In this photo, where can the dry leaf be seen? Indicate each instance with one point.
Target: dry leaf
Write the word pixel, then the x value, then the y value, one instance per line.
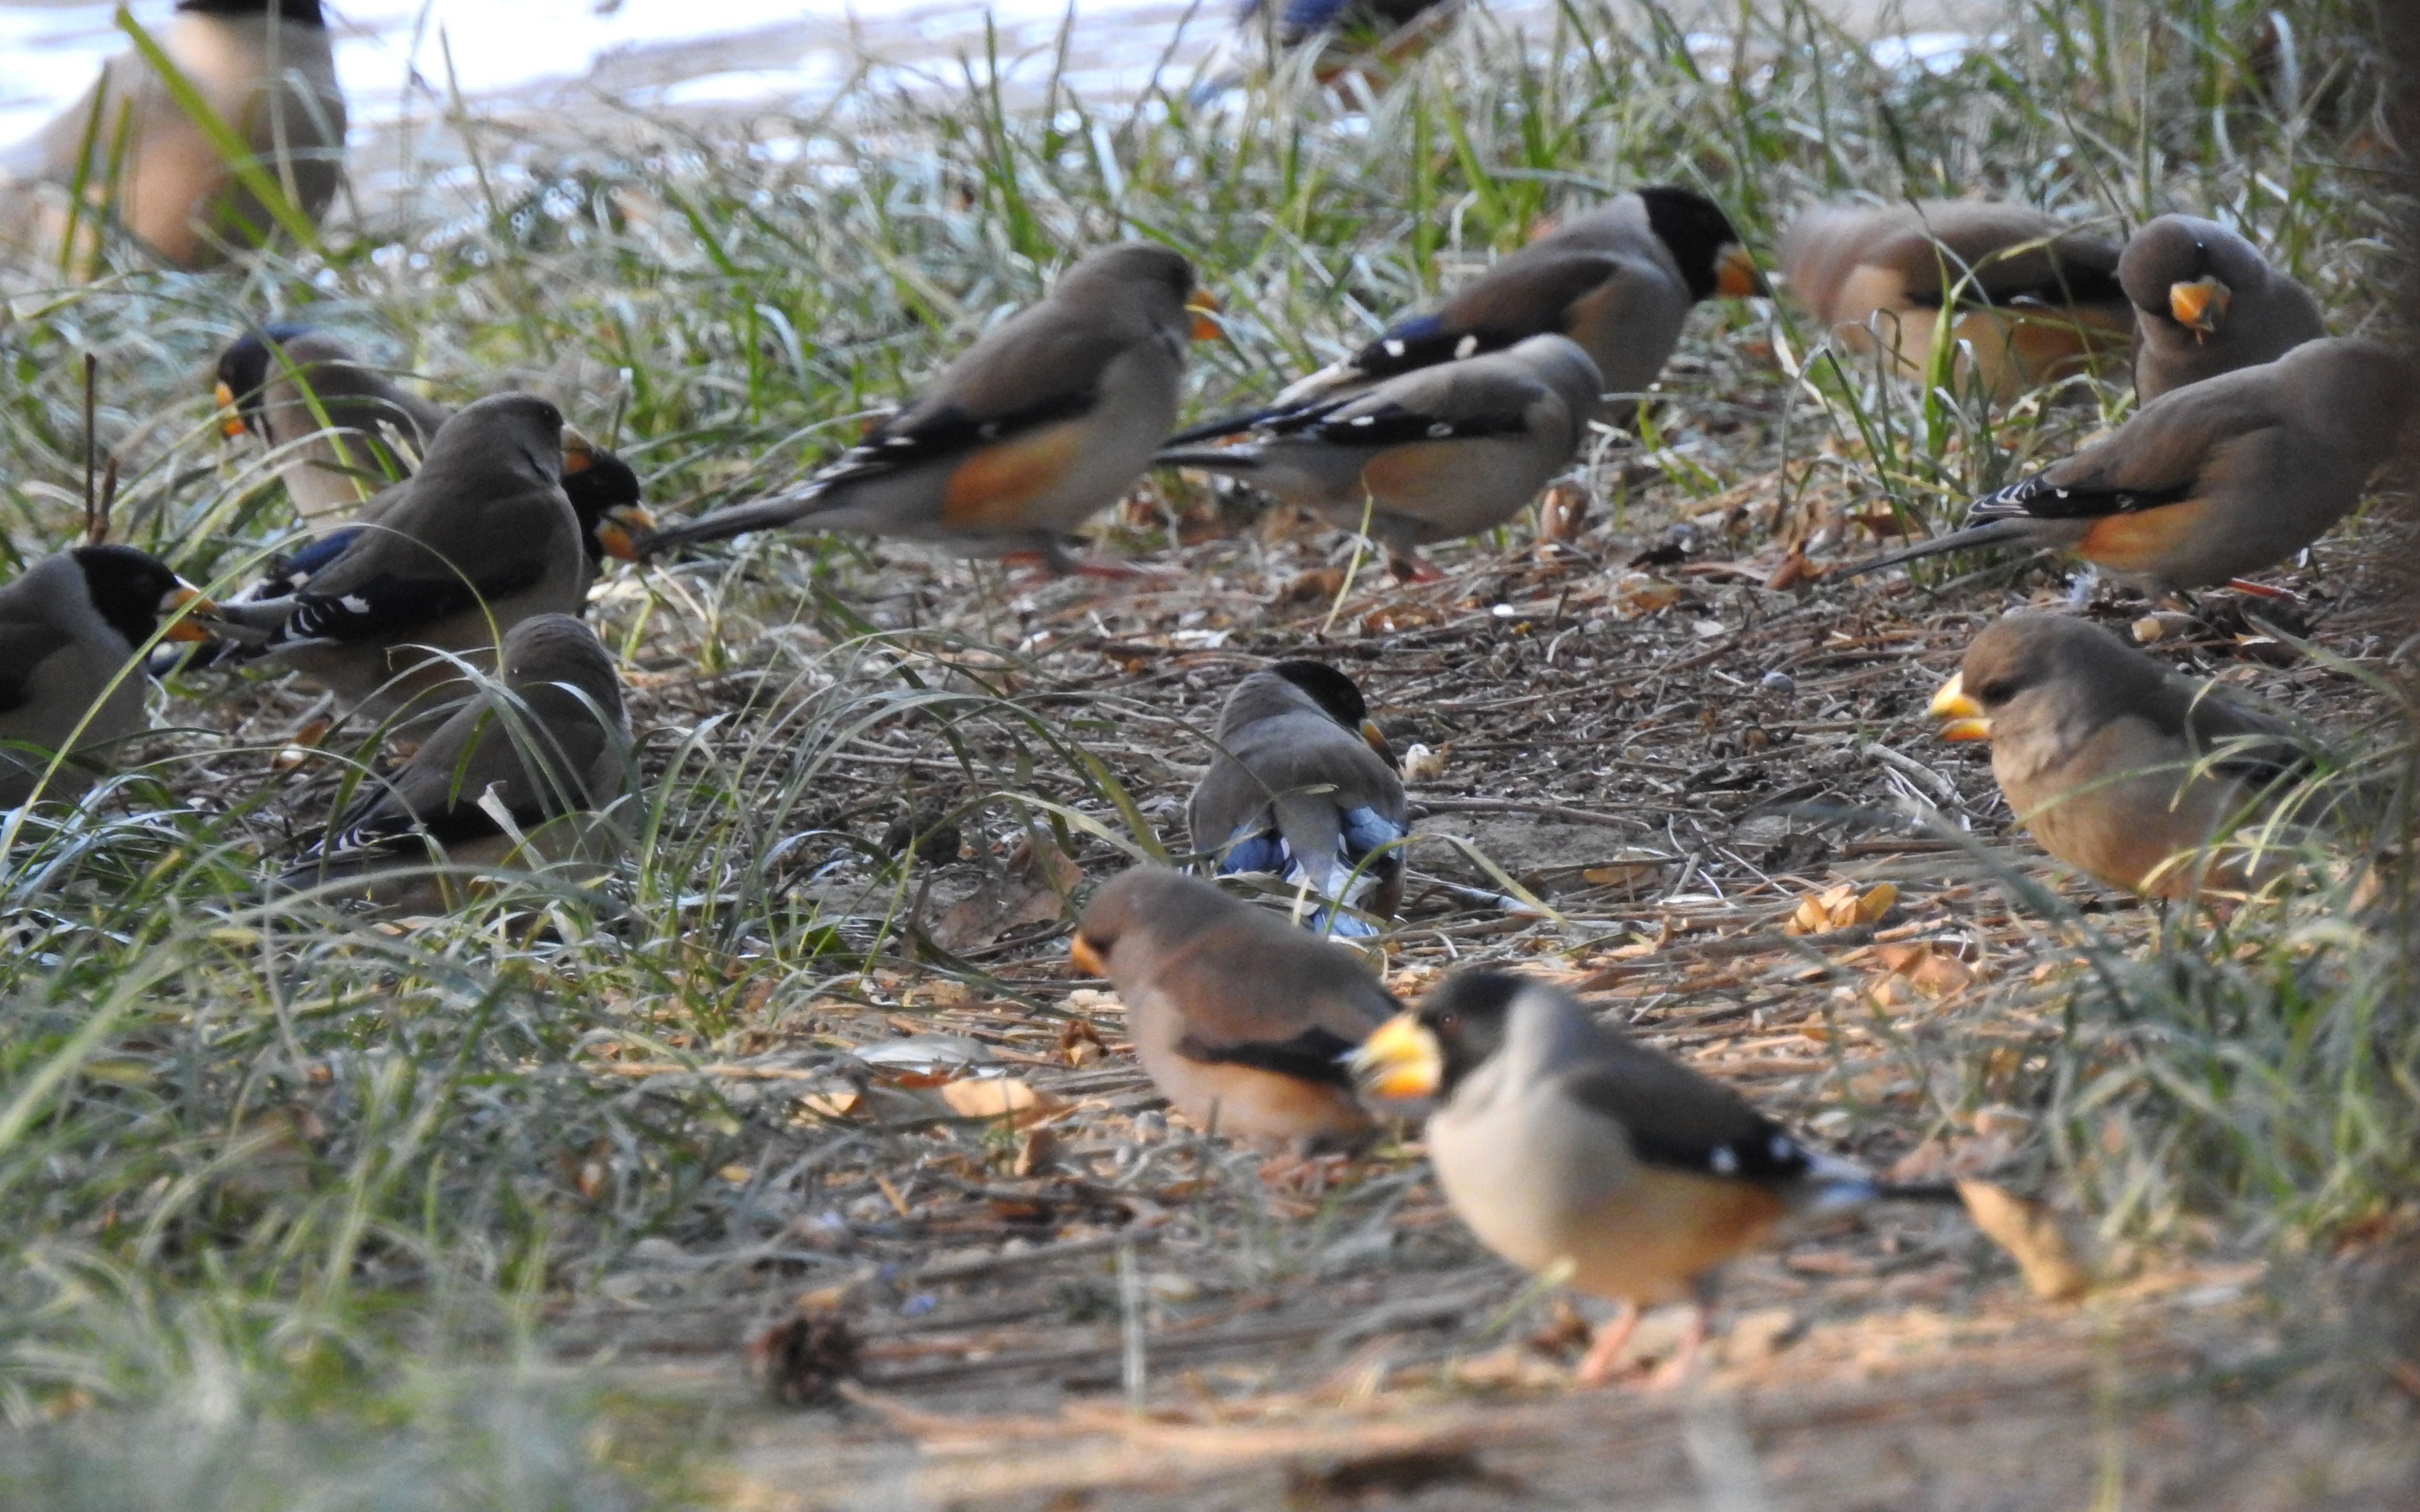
pixel 1421 765
pixel 1636 595
pixel 1794 569
pixel 2033 1236
pixel 1562 515
pixel 999 1097
pixel 834 1105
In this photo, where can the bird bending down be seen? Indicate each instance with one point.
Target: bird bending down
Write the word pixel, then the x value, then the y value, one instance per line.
pixel 2206 302
pixel 1242 1020
pixel 481 538
pixel 70 628
pixel 1618 281
pixel 1564 1142
pixel 2030 298
pixel 507 780
pixel 1303 787
pixel 1045 421
pixel 265 69
pixel 2208 483
pixel 1431 454
pixel 2119 766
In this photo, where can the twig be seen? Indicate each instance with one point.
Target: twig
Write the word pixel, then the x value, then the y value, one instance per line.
pixel 1550 811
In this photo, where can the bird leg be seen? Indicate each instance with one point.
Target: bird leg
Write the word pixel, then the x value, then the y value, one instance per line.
pixel 1597 1368
pixel 1678 1369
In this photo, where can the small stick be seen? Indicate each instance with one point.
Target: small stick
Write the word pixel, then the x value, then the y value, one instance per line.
pixel 91 448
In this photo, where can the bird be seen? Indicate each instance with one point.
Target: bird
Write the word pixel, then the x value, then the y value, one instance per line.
pixel 481 538
pixel 1302 785
pixel 1383 21
pixel 2206 302
pixel 144 164
pixel 70 628
pixel 278 383
pixel 2116 766
pixel 506 777
pixel 1562 1142
pixel 2030 298
pixel 2211 482
pixel 1047 420
pixel 1620 281
pixel 1241 1018
pixel 1427 456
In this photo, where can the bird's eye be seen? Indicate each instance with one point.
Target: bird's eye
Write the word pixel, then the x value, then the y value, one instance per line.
pixel 1999 691
pixel 1449 1022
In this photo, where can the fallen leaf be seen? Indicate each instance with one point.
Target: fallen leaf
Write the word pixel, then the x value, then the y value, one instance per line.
pixel 999 1097
pixel 2033 1236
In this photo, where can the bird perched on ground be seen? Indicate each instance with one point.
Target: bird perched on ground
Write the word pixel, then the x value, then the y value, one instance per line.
pixel 70 627
pixel 2209 481
pixel 270 381
pixel 264 69
pixel 1382 23
pixel 1428 456
pixel 541 752
pixel 1618 281
pixel 1302 786
pixel 1047 420
pixel 1241 1018
pixel 2029 297
pixel 481 539
pixel 2119 766
pixel 2206 302
pixel 1562 1142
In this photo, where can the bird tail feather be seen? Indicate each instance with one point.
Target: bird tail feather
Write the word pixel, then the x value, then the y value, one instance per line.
pixel 1235 459
pixel 1997 533
pixel 737 520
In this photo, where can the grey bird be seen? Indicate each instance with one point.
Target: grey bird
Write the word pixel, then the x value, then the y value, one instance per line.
pixel 1620 281
pixel 70 628
pixel 265 71
pixel 1301 786
pixel 2211 482
pixel 1562 1142
pixel 1045 421
pixel 2206 302
pixel 1241 1019
pixel 515 777
pixel 1431 454
pixel 482 538
pixel 2119 766
pixel 2030 298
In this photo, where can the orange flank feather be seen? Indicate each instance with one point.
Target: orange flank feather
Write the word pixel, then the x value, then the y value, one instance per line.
pixel 1407 472
pixel 994 487
pixel 2138 543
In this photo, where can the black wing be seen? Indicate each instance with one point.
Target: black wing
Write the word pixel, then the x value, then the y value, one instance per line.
pixel 1314 1055
pixel 385 606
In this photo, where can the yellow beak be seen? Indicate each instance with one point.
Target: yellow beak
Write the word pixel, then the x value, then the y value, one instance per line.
pixel 1203 304
pixel 578 451
pixel 187 600
pixel 1401 1059
pixel 2200 305
pixel 232 426
pixel 620 529
pixel 1961 718
pixel 1087 960
pixel 1736 276
pixel 1372 737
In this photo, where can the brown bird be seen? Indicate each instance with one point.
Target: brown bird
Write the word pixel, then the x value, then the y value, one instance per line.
pixel 1242 1019
pixel 70 628
pixel 264 69
pixel 2210 482
pixel 545 750
pixel 1045 421
pixel 2206 302
pixel 1431 454
pixel 2116 766
pixel 1618 281
pixel 343 432
pixel 2030 298
pixel 1302 785
pixel 483 538
pixel 1564 1142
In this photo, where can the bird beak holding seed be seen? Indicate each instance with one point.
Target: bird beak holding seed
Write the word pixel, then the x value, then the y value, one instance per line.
pixel 579 453
pixel 1203 304
pixel 621 530
pixel 1087 959
pixel 1400 1059
pixel 2200 305
pixel 187 600
pixel 231 424
pixel 1961 718
pixel 1736 276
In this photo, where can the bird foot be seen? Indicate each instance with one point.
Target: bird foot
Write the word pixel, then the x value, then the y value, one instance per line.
pixel 1605 1354
pixel 1412 567
pixel 1056 564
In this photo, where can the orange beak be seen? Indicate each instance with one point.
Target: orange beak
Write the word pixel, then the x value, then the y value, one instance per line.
pixel 2200 305
pixel 1203 304
pixel 578 451
pixel 1372 737
pixel 622 528
pixel 1961 718
pixel 187 600
pixel 1087 959
pixel 1400 1059
pixel 231 424
pixel 1736 276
